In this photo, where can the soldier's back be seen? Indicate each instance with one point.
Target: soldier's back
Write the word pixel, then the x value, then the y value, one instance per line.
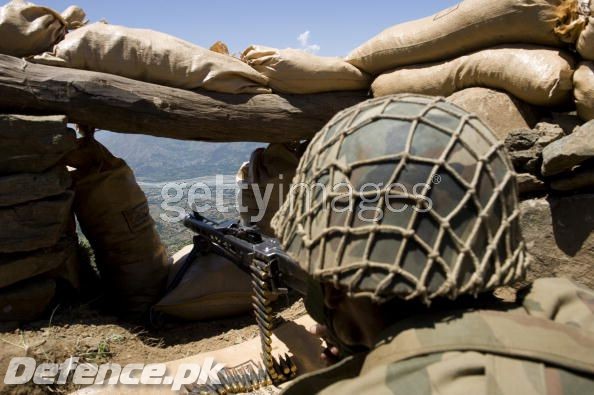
pixel 544 345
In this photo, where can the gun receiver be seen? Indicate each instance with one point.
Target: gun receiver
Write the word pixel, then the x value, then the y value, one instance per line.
pixel 242 245
pixel 272 271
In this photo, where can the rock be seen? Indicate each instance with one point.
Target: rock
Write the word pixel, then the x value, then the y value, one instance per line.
pixel 570 151
pixel 580 178
pixel 27 300
pixel 559 233
pixel 525 146
pixel 548 133
pixel 566 121
pixel 527 184
pixel 22 266
pixel 35 225
pixel 521 139
pixel 32 144
pixel 500 111
pixel 27 187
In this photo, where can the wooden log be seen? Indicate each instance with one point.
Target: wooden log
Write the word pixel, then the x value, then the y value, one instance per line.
pixel 123 105
pixel 28 187
pixel 35 225
pixel 32 144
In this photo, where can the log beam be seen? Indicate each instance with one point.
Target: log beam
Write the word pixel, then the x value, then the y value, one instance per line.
pixel 120 104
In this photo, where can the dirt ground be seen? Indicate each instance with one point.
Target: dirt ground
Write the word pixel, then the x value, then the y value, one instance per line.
pixel 84 332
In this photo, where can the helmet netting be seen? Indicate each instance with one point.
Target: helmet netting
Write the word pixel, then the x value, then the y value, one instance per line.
pixel 467 241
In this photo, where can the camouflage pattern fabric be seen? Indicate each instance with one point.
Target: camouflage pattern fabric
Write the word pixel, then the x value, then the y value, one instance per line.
pixel 407 196
pixel 543 346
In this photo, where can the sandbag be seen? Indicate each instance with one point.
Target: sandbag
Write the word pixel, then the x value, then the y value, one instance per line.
pixel 295 71
pixel 585 44
pixel 27 300
pixel 470 26
pixel 113 214
pixel 32 144
pixel 498 110
pixel 75 17
pixel 537 75
pixel 151 56
pixel 34 225
pixel 213 287
pixel 583 81
pixel 266 179
pixel 21 188
pixel 27 29
pixel 22 266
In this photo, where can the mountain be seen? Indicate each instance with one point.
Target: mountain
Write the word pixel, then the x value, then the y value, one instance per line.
pixel 157 159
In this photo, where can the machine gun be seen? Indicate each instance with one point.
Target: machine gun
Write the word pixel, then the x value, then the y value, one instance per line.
pixel 272 271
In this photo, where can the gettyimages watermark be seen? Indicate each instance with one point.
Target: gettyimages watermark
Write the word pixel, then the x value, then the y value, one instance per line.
pixel 23 370
pixel 374 198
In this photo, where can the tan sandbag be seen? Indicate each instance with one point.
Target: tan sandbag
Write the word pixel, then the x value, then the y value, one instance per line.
pixel 583 81
pixel 585 44
pixel 27 29
pixel 213 287
pixel 499 110
pixel 75 17
pixel 114 216
pixel 22 266
pixel 151 56
pixel 27 300
pixel 32 144
pixel 27 187
pixel 266 179
pixel 537 75
pixel 295 71
pixel 469 26
pixel 34 225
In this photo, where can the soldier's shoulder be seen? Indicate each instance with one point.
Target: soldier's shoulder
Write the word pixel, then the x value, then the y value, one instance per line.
pixel 560 300
pixel 470 372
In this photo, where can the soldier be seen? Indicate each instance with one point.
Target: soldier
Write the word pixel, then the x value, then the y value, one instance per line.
pixel 413 224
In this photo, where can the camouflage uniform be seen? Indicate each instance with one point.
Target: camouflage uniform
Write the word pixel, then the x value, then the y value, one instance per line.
pixel 543 346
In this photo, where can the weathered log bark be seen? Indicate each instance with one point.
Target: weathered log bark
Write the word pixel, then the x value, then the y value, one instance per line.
pixel 123 105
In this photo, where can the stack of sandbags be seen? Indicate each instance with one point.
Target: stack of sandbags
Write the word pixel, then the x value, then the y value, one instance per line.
pixel 470 26
pixel 296 71
pixel 27 29
pixel 113 214
pixel 513 46
pixel 151 56
pixel 539 76
pixel 38 244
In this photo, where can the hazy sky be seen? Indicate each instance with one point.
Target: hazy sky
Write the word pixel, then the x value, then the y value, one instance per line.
pixel 335 27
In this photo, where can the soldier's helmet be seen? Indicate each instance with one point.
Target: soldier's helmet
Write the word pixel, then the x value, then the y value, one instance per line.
pixel 405 196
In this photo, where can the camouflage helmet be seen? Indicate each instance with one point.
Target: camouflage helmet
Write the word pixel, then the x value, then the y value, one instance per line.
pixel 405 196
